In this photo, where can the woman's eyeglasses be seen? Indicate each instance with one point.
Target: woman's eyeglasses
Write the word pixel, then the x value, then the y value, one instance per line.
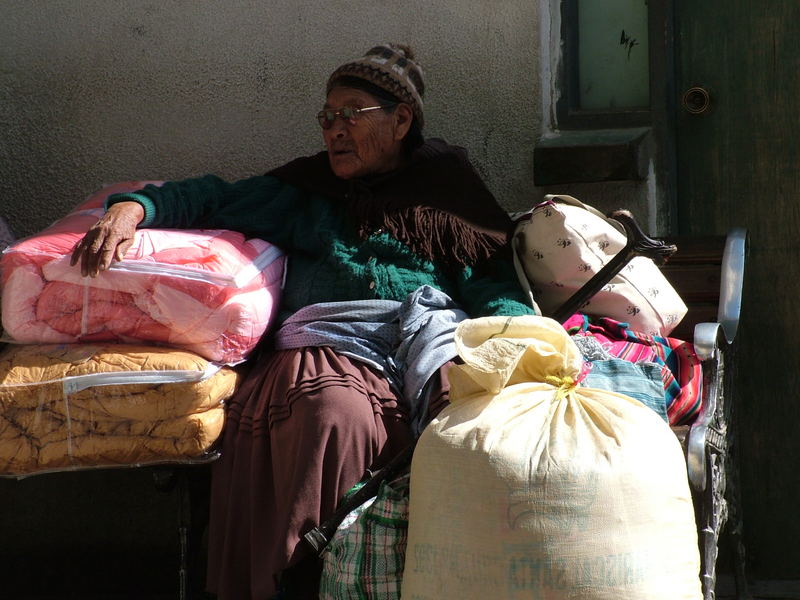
pixel 347 113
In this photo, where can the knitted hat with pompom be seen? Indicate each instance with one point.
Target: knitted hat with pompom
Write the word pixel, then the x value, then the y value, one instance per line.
pixel 392 68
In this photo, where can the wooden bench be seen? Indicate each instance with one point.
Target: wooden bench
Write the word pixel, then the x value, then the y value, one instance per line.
pixel 708 274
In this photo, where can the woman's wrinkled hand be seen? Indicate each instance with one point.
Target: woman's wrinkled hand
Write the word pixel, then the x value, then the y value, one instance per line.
pixel 108 239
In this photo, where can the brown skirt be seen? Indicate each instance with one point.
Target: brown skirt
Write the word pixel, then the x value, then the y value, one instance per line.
pixel 302 429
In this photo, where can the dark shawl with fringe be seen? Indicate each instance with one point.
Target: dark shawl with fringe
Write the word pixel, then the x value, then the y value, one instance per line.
pixel 437 203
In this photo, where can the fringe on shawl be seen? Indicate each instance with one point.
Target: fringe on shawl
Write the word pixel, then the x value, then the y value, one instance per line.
pixel 430 232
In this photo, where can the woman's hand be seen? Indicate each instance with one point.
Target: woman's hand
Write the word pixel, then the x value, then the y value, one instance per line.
pixel 108 239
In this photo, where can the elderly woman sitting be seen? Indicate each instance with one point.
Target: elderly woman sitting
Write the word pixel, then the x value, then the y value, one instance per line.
pixel 391 240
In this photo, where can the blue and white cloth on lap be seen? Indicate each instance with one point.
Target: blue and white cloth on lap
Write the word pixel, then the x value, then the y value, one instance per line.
pixel 407 341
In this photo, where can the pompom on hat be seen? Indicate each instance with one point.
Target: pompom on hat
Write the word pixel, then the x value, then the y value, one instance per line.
pixel 391 67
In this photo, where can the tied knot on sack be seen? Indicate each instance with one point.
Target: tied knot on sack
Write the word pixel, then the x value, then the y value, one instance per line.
pixel 500 352
pixel 564 384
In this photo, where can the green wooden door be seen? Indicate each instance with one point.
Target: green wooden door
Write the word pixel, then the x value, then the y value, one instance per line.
pixel 739 165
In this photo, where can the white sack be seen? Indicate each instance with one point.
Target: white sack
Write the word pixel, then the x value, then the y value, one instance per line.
pixel 529 487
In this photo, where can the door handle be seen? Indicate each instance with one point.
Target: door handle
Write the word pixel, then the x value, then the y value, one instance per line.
pixel 696 100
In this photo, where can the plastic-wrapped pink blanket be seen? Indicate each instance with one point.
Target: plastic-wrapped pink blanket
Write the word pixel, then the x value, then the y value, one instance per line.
pixel 212 292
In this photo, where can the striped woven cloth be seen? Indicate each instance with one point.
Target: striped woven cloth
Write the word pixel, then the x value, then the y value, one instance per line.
pixel 681 369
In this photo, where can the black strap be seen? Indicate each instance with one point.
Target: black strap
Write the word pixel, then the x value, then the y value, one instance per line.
pixel 638 244
pixel 320 536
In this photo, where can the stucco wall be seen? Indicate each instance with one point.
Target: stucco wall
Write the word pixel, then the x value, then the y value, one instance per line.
pixel 97 91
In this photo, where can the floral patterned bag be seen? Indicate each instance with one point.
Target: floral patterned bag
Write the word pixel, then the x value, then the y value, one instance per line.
pixel 562 243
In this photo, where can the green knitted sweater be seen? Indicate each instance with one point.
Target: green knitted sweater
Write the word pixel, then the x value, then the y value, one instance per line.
pixel 328 260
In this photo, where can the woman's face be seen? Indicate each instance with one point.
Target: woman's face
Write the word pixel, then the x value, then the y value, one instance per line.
pixel 372 142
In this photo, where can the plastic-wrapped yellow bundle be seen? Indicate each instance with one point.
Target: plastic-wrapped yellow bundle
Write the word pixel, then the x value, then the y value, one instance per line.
pixel 74 406
pixel 530 486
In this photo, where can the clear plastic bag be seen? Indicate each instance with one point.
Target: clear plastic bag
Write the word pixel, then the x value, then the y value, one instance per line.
pixel 213 292
pixel 78 406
